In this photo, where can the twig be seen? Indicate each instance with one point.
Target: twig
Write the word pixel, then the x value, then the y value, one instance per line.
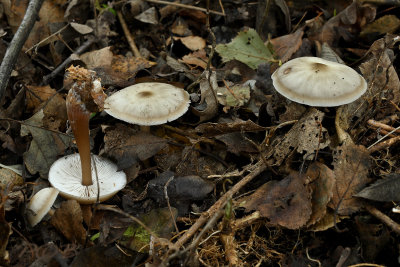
pixel 169 205
pixel 380 139
pixel 384 218
pixel 47 38
pixel 128 35
pixel 385 144
pixel 17 43
pixel 258 168
pixel 61 67
pixel 186 6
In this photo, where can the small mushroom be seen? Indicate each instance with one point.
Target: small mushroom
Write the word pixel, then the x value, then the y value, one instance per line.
pixel 317 82
pixel 40 204
pixel 148 103
pixel 66 175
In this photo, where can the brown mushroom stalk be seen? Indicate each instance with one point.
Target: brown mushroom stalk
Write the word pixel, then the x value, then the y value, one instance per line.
pixel 78 117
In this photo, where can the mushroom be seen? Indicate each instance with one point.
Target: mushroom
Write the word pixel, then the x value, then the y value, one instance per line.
pixel 148 104
pixel 314 81
pixel 40 204
pixel 66 176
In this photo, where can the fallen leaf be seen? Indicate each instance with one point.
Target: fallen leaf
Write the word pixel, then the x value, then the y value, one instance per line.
pixel 351 165
pixel 179 188
pixel 235 96
pixel 246 47
pixel 384 24
pixel 285 46
pixel 46 146
pixel 9 179
pixel 322 182
pixel 307 135
pixel 208 107
pixel 194 43
pixel 127 147
pixel 286 203
pixel 198 58
pixel 148 16
pixel 237 143
pixel 68 220
pixel 160 221
pixel 386 189
pixel 5 232
pixel 347 23
pixel 97 58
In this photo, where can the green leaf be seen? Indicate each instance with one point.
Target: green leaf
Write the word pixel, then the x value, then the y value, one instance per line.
pixel 246 47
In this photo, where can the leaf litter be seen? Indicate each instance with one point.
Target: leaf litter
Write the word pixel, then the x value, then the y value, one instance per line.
pixel 245 176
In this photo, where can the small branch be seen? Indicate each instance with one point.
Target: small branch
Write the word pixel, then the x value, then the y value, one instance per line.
pixel 186 6
pixel 17 43
pixel 258 168
pixel 61 67
pixel 128 35
pixel 383 218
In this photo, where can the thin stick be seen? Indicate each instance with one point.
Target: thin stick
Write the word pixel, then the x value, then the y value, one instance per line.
pixel 186 6
pixel 61 67
pixel 47 38
pixel 394 130
pixel 17 43
pixel 169 205
pixel 258 168
pixel 128 35
pixel 384 218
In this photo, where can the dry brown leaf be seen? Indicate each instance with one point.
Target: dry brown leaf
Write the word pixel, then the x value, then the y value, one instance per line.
pixel 49 13
pixel 68 220
pixel 346 23
pixel 194 43
pixel 97 58
pixel 197 58
pixel 208 107
pixel 351 165
pixel 383 86
pixel 285 46
pixel 307 135
pixel 286 203
pixel 127 146
pixel 322 181
pixel 237 143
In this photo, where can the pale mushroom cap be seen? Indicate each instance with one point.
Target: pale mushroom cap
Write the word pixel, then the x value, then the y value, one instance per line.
pixel 40 204
pixel 148 103
pixel 317 82
pixel 66 175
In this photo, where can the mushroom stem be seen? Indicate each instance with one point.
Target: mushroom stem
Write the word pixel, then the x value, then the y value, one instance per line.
pixel 78 117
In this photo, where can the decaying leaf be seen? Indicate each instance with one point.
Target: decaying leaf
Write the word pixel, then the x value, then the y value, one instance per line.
pixel 246 47
pixel 68 220
pixel 208 107
pixel 127 147
pixel 286 203
pixel 285 46
pixel 237 143
pixel 233 96
pixel 322 181
pixel 351 164
pixel 307 135
pixel 198 58
pixel 101 256
pixel 387 189
pixel 5 232
pixel 346 23
pixel 159 221
pixel 46 146
pixel 194 43
pixel 383 83
pixel 385 24
pixel 8 179
pixel 179 188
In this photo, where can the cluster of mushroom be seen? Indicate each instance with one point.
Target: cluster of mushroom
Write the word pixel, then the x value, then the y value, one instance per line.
pixel 71 176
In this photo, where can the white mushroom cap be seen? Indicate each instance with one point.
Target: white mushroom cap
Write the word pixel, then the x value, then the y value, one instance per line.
pixel 66 175
pixel 148 103
pixel 40 204
pixel 317 82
